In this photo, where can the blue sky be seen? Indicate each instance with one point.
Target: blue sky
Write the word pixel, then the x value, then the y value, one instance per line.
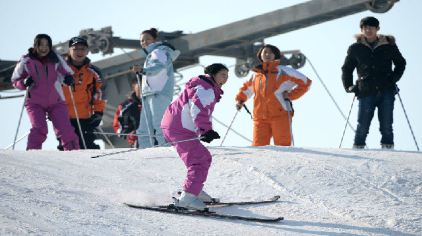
pixel 317 122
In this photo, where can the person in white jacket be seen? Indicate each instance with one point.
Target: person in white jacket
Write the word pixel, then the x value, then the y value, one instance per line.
pixel 157 86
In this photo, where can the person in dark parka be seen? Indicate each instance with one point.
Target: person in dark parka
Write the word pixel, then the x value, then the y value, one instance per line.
pixel 373 56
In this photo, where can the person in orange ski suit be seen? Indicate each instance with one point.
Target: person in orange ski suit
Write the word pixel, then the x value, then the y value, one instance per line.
pixel 274 86
pixel 87 93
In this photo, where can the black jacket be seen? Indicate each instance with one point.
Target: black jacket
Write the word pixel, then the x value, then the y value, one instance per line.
pixel 130 114
pixel 373 65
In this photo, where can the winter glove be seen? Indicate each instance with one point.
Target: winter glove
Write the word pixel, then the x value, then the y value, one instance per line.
pixel 132 138
pixel 28 81
pixel 209 136
pixel 137 69
pixel 353 89
pixel 396 89
pixel 68 80
pixel 95 119
pixel 239 105
pixel 393 79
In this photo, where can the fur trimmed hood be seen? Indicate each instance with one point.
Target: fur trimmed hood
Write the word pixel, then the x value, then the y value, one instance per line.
pixel 382 39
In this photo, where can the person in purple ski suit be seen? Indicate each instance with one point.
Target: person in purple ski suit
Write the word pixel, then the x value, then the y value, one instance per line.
pixel 41 72
pixel 187 121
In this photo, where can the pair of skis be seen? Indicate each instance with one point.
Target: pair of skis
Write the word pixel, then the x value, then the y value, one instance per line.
pixel 172 209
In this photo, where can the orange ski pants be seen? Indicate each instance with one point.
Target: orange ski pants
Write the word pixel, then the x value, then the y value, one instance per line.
pixel 277 128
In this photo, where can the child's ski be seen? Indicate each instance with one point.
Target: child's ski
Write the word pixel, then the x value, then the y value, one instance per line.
pixel 172 209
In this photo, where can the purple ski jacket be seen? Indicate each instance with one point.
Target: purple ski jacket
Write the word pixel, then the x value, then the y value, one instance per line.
pixel 48 77
pixel 192 111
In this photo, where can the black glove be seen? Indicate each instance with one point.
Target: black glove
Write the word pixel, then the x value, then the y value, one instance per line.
pixel 28 81
pixel 353 89
pixel 95 119
pixel 68 80
pixel 396 89
pixel 209 136
pixel 239 106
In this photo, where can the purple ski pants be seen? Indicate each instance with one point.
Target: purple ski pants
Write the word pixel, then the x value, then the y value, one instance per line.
pixel 196 157
pixel 59 116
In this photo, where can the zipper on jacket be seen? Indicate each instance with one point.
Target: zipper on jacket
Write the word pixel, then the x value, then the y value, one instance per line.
pixel 37 71
pixel 46 71
pixel 46 77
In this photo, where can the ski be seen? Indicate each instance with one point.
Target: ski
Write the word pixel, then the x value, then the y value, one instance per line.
pixel 216 203
pixel 172 209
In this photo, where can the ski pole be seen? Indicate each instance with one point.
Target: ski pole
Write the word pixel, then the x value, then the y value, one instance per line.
pixel 329 94
pixel 136 149
pixel 20 119
pixel 138 78
pixel 113 153
pixel 178 141
pixel 407 119
pixel 17 141
pixel 77 117
pixel 12 96
pixel 347 121
pixel 228 129
pixel 289 116
pixel 291 128
pixel 234 131
pixel 105 137
pixel 247 110
pixel 111 134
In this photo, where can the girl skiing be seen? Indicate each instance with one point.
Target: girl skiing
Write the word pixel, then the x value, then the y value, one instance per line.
pixel 41 73
pixel 188 117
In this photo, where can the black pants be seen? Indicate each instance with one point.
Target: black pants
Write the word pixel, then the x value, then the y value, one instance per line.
pixel 88 134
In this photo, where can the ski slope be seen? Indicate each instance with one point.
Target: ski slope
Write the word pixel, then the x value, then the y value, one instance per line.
pixel 323 192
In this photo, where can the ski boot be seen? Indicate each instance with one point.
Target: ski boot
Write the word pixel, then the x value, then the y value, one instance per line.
pixel 190 201
pixel 387 146
pixel 355 146
pixel 206 198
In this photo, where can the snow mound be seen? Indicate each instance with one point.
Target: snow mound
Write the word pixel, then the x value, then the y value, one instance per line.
pixel 323 192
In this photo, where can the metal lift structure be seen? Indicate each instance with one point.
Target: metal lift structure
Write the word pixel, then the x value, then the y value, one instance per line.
pixel 239 39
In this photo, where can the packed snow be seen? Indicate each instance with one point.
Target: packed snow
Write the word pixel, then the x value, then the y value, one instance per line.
pixel 323 192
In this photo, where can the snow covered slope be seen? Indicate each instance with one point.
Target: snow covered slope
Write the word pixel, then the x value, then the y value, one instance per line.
pixel 323 192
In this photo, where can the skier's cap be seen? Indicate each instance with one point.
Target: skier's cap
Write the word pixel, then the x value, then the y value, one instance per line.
pixel 369 21
pixel 77 40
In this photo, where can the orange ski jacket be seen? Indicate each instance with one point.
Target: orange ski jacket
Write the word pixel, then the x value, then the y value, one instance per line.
pixel 86 92
pixel 268 84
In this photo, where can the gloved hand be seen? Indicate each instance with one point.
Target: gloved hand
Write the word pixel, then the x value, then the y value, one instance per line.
pixel 353 89
pixel 209 136
pixel 239 105
pixel 68 80
pixel 396 89
pixel 28 81
pixel 137 69
pixel 132 138
pixel 95 119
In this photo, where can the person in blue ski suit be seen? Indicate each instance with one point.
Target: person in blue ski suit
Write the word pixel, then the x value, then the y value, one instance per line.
pixel 157 77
